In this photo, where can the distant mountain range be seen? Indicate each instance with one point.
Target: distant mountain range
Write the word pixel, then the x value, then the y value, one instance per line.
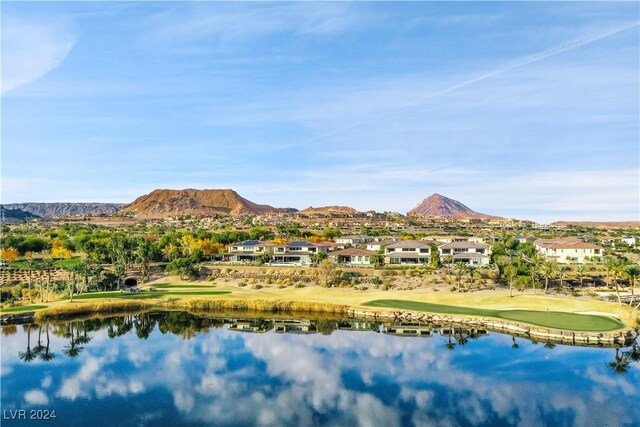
pixel 437 205
pixel 52 210
pixel 599 224
pixel 15 216
pixel 166 203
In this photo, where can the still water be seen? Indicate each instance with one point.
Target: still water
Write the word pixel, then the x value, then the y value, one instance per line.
pixel 177 369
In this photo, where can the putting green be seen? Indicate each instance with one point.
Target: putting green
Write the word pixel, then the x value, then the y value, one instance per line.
pixel 23 308
pixel 548 319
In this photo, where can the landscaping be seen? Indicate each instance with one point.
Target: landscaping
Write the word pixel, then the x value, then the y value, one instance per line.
pixel 549 319
pixel 23 308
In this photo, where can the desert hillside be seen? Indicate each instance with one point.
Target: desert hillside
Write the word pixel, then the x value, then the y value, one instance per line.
pixel 165 203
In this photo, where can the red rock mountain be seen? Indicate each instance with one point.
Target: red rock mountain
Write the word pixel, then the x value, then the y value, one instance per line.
pixel 165 203
pixel 441 206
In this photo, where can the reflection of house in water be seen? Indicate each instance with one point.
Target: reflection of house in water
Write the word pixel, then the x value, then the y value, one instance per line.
pixel 295 326
pixel 467 333
pixel 358 325
pixel 407 329
pixel 250 325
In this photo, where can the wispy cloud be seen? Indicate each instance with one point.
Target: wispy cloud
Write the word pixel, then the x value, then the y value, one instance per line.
pixel 32 47
pixel 235 22
pixel 519 63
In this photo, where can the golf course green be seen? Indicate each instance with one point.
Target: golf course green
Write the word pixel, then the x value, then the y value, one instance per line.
pixel 548 319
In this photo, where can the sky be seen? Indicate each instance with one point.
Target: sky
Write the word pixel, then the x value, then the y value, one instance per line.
pixel 520 109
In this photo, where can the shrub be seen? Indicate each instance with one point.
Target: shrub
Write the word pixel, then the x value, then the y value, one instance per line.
pixel 299 285
pixel 242 284
pixel 257 286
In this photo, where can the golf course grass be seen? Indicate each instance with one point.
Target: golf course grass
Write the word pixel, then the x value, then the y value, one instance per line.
pixel 549 319
pixel 23 308
pixel 144 295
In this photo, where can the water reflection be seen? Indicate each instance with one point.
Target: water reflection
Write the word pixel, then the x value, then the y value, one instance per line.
pixel 183 369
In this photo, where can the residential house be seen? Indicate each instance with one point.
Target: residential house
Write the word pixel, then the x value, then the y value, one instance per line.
pixel 353 240
pixel 376 245
pixel 353 256
pixel 247 251
pixel 570 250
pixel 466 252
pixel 408 252
pixel 297 252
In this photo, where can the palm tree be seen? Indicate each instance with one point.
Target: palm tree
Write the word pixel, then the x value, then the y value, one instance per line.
pixel 620 364
pixel 580 273
pixel 547 269
pixel 471 271
pixel 144 253
pixel 634 353
pixel 510 272
pixel 28 355
pixel 632 272
pixel 459 269
pixel 562 272
pixel 48 266
pixel 515 345
pixel 47 355
pixel 615 268
pixel 30 266
pixel 534 264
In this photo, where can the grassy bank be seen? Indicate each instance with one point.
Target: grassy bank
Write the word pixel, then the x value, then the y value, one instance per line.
pixel 548 319
pixel 555 312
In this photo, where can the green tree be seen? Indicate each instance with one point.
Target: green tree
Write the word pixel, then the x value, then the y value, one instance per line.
pixel 327 271
pixel 548 270
pixel 580 274
pixel 632 272
pixel 510 273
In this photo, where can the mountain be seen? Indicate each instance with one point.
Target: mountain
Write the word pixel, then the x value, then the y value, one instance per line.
pixel 166 203
pixel 441 206
pixel 329 211
pixel 15 216
pixel 51 210
pixel 598 224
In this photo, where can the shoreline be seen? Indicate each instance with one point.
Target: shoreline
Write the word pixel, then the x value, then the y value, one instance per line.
pixel 261 307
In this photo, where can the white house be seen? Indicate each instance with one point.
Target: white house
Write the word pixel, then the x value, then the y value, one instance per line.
pixel 408 252
pixel 378 244
pixel 466 252
pixel 353 240
pixel 353 256
pixel 296 252
pixel 569 250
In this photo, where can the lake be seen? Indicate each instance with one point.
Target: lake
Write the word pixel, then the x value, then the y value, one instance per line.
pixel 179 369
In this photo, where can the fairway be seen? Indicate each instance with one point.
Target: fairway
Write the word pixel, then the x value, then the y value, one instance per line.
pixel 144 295
pixel 23 308
pixel 549 319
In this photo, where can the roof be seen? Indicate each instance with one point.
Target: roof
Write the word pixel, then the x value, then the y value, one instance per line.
pixel 353 251
pixel 408 244
pixel 566 243
pixel 383 242
pixel 464 245
pixel 300 243
pixel 248 243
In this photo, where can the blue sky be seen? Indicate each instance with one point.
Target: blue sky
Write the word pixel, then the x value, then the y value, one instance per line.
pixel 522 109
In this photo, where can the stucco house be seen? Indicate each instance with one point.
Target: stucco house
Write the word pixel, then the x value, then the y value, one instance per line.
pixel 570 250
pixel 466 252
pixel 408 252
pixel 353 256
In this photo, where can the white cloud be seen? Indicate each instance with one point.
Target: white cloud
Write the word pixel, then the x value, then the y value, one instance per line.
pixel 31 48
pixel 36 397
